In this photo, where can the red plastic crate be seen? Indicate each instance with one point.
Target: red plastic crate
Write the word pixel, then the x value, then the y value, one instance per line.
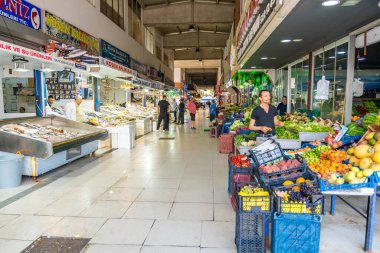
pixel 226 143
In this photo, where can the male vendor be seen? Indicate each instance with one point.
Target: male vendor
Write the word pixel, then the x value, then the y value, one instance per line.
pixel 263 118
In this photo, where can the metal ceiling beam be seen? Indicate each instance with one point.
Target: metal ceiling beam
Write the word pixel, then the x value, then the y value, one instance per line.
pixel 204 13
pixel 204 54
pixel 188 40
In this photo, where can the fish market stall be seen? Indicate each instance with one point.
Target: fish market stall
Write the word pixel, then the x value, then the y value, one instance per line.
pixel 121 129
pixel 48 143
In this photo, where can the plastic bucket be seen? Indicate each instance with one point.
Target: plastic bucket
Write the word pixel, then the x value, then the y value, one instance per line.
pixel 10 170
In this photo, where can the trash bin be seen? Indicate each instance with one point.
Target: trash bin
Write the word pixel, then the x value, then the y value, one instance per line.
pixel 10 170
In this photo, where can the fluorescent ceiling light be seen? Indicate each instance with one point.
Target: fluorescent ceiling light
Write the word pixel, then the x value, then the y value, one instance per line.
pixel 273 58
pixel 331 2
pixel 286 41
pixel 264 58
pixel 253 67
pixel 351 2
pixel 297 40
pixel 17 68
pixel 332 57
pixel 341 52
pixel 361 59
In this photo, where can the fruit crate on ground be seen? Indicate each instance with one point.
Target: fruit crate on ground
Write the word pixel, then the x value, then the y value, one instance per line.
pixel 252 217
pixel 295 233
pixel 280 171
pixel 226 143
pixel 251 230
pixel 325 185
pixel 312 136
pixel 301 199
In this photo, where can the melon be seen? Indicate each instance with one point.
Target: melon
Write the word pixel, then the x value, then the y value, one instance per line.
pixel 365 163
pixel 376 157
pixel 363 151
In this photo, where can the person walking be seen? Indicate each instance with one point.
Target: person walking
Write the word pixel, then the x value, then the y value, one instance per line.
pixel 174 109
pixel 193 110
pixel 163 113
pixel 212 110
pixel 181 110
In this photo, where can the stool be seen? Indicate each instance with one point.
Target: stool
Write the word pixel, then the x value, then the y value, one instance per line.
pixel 214 132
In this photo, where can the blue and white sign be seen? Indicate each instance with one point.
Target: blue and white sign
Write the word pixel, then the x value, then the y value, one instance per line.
pixel 21 12
pixel 114 54
pixel 139 67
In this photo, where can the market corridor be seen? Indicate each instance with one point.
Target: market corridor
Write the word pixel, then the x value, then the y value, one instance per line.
pixel 163 196
pixel 167 196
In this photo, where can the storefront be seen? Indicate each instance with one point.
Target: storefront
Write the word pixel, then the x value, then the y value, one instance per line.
pixel 250 83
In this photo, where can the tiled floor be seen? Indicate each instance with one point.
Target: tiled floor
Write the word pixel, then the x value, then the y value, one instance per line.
pixel 163 196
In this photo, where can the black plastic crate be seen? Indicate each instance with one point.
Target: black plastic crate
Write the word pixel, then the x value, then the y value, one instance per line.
pixel 251 230
pixel 313 205
pixel 266 156
pixel 282 175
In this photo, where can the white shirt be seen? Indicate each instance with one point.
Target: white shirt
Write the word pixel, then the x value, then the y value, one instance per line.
pixel 70 111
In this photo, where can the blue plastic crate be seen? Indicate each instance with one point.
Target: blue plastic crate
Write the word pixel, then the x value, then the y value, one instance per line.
pixel 295 233
pixel 250 232
pixel 376 177
pixel 326 186
pixel 243 131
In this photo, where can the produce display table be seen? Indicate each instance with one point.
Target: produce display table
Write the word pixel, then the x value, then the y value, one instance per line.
pixel 370 193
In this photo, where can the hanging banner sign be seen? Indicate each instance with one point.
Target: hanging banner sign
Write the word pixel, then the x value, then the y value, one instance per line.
pixel 157 86
pixel 114 54
pixel 30 53
pixel 21 12
pixel 70 42
pixel 255 23
pixel 139 67
pixel 114 65
pixel 152 72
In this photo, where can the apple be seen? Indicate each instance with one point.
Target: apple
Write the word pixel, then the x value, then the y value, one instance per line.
pixel 355 169
pixel 367 172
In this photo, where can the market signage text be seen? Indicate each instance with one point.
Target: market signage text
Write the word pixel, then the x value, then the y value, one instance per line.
pixel 116 66
pixel 21 12
pixel 14 49
pixel 69 34
pixel 115 54
pixel 264 12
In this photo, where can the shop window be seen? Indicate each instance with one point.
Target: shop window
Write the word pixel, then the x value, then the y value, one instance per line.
pixel 134 20
pixel 367 65
pixel 299 85
pixel 278 88
pixel 114 10
pixel 332 64
pixel 19 94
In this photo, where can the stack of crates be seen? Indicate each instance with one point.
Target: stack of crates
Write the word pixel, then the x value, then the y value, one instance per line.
pixel 252 220
pixel 296 227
